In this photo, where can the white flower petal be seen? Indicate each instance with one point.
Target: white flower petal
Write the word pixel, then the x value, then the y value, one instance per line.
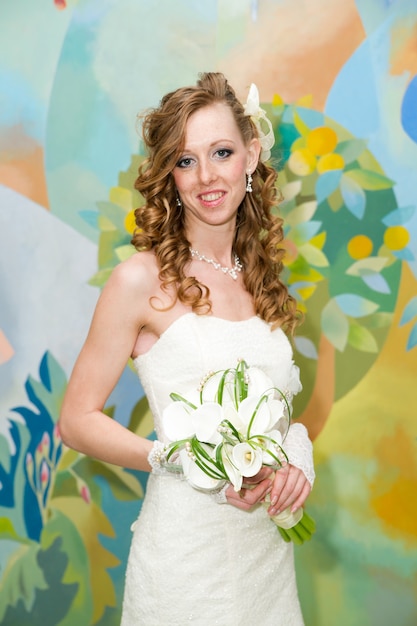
pixel 206 420
pixel 195 476
pixel 248 460
pixel 262 422
pixel 233 474
pixel 177 422
pixel 258 382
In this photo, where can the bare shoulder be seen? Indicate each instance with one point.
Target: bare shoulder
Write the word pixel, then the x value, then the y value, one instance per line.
pixel 138 273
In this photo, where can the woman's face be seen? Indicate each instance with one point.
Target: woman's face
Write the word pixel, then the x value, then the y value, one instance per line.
pixel 210 175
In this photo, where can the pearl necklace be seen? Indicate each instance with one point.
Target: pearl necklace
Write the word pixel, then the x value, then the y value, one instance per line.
pixel 232 271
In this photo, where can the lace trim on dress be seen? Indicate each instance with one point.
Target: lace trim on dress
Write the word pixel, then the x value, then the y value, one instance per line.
pixel 299 450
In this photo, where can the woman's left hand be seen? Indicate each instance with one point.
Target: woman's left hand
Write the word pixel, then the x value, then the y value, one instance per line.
pixel 290 489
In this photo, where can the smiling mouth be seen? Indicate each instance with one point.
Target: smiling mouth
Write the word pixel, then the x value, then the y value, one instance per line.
pixel 211 197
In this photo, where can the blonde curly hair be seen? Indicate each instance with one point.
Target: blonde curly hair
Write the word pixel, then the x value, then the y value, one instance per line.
pixel 160 222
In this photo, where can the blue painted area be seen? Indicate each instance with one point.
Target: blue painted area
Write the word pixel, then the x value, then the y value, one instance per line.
pixel 409 110
pixel 353 99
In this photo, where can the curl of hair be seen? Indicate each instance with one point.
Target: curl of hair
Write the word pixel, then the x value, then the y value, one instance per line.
pixel 160 222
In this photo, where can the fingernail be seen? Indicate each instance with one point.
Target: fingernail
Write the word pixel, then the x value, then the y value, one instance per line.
pixel 274 500
pixel 294 509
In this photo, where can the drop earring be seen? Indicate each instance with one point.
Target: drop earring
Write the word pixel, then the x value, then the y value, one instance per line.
pixel 179 203
pixel 249 183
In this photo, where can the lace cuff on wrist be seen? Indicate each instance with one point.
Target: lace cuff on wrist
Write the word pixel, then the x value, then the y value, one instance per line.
pixel 299 450
pixel 157 458
pixel 219 495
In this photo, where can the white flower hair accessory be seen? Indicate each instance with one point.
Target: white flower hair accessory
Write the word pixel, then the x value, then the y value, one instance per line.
pixel 252 108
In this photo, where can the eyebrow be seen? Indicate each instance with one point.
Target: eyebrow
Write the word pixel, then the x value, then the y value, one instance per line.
pixel 213 143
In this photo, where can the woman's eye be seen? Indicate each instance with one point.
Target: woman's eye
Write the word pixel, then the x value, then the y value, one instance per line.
pixel 223 153
pixel 184 162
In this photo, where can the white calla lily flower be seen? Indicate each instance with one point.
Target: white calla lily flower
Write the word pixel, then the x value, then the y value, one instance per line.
pixel 232 472
pixel 177 420
pixel 206 419
pixel 196 476
pixel 259 383
pixel 247 459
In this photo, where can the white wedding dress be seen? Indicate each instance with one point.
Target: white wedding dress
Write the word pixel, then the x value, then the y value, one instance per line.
pixel 193 560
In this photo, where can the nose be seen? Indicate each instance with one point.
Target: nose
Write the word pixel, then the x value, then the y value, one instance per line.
pixel 207 172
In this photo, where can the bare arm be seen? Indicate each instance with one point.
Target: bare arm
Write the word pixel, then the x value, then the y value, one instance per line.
pixel 120 313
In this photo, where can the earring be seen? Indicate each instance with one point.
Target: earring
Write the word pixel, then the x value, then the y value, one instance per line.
pixel 249 182
pixel 179 203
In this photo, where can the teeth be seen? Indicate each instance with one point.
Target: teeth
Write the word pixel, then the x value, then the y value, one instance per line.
pixel 209 197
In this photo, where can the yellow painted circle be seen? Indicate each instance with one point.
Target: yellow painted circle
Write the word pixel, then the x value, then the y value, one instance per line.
pixel 396 237
pixel 302 162
pixel 321 140
pixel 130 223
pixel 330 162
pixel 360 247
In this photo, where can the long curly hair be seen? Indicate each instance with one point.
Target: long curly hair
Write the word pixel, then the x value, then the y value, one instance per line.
pixel 160 222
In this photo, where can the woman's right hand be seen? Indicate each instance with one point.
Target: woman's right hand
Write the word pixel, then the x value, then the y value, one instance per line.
pixel 254 490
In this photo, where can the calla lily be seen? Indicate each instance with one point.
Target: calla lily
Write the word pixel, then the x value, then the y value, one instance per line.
pixel 247 459
pixel 177 421
pixel 206 419
pixel 259 383
pixel 196 476
pixel 266 415
pixel 233 474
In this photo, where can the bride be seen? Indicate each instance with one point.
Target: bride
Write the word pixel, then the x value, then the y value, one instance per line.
pixel 202 291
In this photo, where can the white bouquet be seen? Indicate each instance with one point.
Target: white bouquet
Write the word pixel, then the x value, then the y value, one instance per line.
pixel 227 430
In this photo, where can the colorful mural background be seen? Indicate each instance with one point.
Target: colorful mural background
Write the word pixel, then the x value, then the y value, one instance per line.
pixel 339 80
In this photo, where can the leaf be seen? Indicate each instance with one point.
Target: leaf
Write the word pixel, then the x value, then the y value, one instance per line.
pixel 124 252
pixel 412 338
pixel 306 347
pixel 371 263
pixel 291 190
pixel 68 458
pixel 362 339
pixel 335 325
pixel 350 149
pixel 367 179
pixel 141 420
pixel 47 393
pixel 79 570
pixel 313 255
pixel 399 216
pixel 100 278
pixel 21 578
pixel 114 214
pixel 356 306
pixel 353 196
pixel 91 522
pixel 304 232
pixel 376 282
pixel 380 320
pixel 302 213
pixel 302 128
pixel 90 217
pixel 326 184
pixel 409 312
pixel 123 484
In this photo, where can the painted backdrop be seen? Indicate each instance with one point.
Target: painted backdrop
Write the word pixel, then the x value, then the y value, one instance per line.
pixel 339 80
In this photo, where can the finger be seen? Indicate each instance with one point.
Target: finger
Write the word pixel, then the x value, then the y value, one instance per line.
pixel 280 480
pixel 246 498
pixel 290 491
pixel 264 473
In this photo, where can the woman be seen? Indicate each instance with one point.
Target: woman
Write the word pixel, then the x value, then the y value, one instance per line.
pixel 202 291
